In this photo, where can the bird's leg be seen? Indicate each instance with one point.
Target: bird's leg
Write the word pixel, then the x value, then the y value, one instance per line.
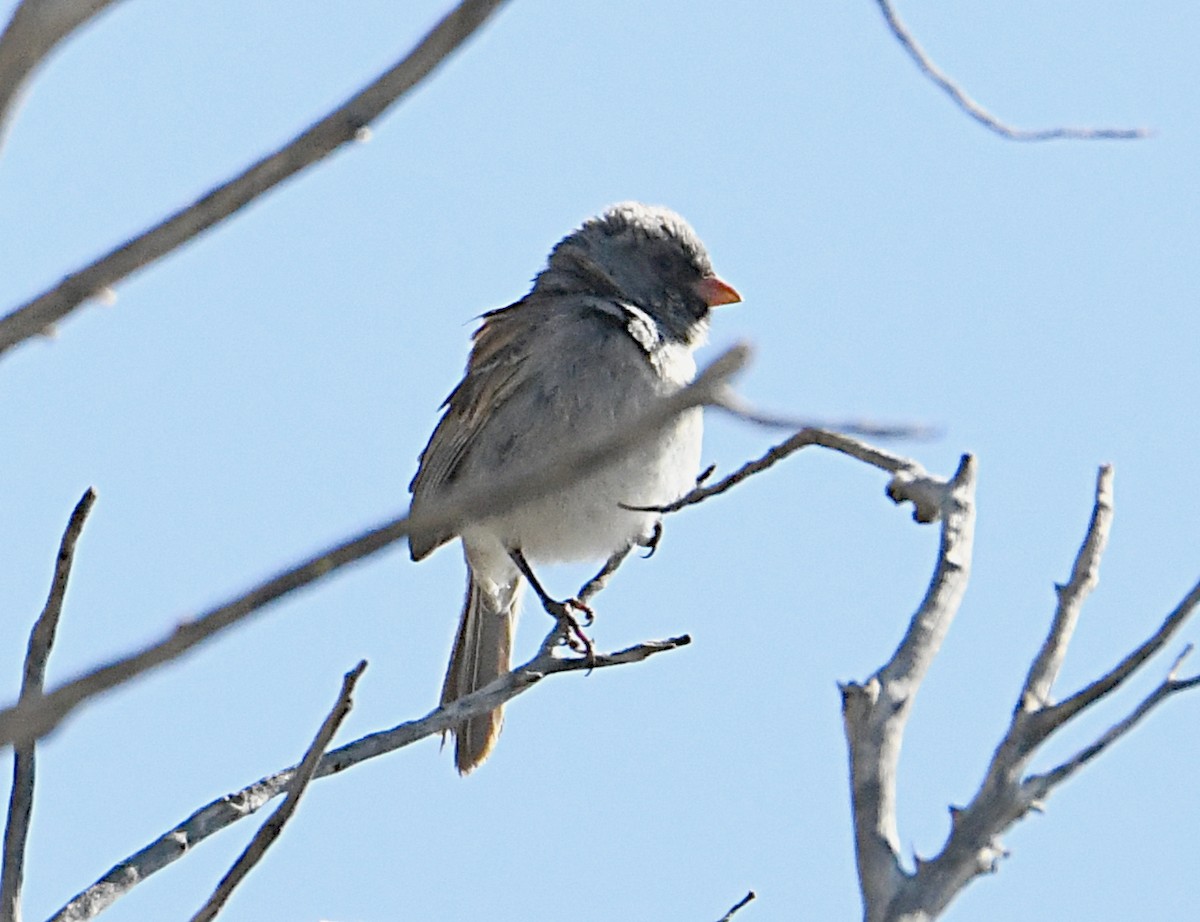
pixel 560 611
pixel 593 586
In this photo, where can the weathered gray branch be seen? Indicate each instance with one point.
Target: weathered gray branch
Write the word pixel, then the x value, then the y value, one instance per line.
pixel 876 712
pixel 982 115
pixel 227 810
pixel 339 127
pixel 1071 596
pixel 41 639
pixel 1035 788
pixel 1007 793
pixel 35 27
pixel 301 776
pixel 34 718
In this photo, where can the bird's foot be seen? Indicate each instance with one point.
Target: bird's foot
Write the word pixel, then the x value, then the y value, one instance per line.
pixel 570 626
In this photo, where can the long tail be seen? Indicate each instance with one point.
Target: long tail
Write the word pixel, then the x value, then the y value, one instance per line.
pixel 482 652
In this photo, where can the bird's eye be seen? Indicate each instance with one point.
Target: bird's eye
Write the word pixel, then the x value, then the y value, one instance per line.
pixel 662 263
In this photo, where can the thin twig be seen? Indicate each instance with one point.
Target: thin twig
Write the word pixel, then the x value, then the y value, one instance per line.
pixel 339 127
pixel 270 830
pixel 41 640
pixel 736 906
pixel 980 114
pixel 803 439
pixel 36 718
pixel 1084 575
pixel 227 810
pixel 33 30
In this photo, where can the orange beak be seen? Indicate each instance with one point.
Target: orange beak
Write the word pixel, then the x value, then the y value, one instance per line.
pixel 715 292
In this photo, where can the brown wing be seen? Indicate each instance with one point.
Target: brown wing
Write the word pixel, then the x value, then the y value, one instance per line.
pixel 496 367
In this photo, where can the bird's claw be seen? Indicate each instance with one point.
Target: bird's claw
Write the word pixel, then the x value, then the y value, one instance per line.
pixel 571 628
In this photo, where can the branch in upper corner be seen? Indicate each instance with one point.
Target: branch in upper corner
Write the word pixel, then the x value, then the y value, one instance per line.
pixel 980 114
pixel 226 811
pixel 38 717
pixel 343 125
pixel 41 639
pixel 35 27
pixel 736 906
pixel 270 830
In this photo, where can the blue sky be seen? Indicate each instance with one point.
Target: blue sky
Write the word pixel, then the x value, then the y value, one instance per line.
pixel 266 391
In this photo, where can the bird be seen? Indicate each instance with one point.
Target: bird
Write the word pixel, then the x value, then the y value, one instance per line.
pixel 609 326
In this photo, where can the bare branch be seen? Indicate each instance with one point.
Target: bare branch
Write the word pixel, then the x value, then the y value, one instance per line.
pixel 1005 795
pixel 875 712
pixel 1071 596
pixel 736 906
pixel 35 28
pixel 900 490
pixel 227 810
pixel 41 639
pixel 1051 718
pixel 301 776
pixel 1036 788
pixel 980 114
pixel 36 718
pixel 340 126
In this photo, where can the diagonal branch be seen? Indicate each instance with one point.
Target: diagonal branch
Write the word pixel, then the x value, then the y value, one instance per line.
pixel 1051 718
pixel 1036 788
pixel 982 115
pixel 37 717
pixel 41 639
pixel 227 810
pixel 340 126
pixel 744 901
pixel 301 776
pixel 35 28
pixel 1071 596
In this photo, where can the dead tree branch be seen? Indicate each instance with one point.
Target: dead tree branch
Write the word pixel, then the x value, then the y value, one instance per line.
pixel 342 125
pixel 35 28
pixel 982 115
pixel 875 713
pixel 301 776
pixel 226 811
pixel 41 639
pixel 36 717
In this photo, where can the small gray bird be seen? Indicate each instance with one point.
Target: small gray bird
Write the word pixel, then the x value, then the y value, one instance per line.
pixel 609 327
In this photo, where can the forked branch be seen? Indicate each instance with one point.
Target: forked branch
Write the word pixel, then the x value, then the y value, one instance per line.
pixel 876 710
